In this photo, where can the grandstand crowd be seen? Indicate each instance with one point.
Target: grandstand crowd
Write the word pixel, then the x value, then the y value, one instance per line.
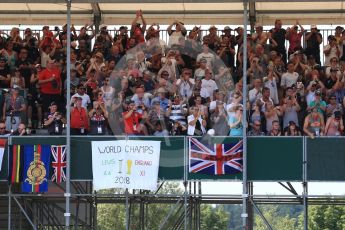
pixel 134 83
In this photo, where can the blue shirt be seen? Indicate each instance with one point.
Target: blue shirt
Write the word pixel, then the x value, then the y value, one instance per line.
pixel 236 131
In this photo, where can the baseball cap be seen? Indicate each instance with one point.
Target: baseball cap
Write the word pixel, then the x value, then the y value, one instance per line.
pixel 103 26
pixel 227 28
pixel 313 26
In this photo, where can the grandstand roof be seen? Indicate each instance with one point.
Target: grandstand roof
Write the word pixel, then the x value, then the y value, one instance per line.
pixel 190 11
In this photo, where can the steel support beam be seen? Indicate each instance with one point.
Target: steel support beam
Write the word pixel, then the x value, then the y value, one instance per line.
pixel 25 214
pixel 97 16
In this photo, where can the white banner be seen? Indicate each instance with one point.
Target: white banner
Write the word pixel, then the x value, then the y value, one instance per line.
pixel 125 164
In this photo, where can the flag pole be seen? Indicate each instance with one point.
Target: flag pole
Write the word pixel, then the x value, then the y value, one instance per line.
pixel 244 214
pixel 68 112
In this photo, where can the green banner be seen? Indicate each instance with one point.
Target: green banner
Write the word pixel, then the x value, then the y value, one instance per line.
pixel 275 159
pixel 326 159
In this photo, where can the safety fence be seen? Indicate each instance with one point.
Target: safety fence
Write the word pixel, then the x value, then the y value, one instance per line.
pixel 268 158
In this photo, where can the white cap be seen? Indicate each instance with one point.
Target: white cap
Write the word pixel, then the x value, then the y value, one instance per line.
pixel 313 26
pixel 102 26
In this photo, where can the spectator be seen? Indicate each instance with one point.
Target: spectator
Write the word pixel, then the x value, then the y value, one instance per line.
pixel 256 129
pixel 13 109
pixel 21 130
pixel 159 131
pixel 174 35
pixel 53 120
pixel 212 40
pixel 235 122
pixel 161 98
pixel 278 34
pixel 4 73
pixel 137 31
pixel 314 124
pixel 313 40
pixel 3 131
pixel 334 125
pixel 290 77
pixel 133 120
pixel 177 111
pixel 79 119
pixel 81 93
pixel 156 114
pixel 290 110
pixel 275 131
pixel 333 106
pixel 196 123
pixel 50 85
pixel 98 119
pixel 219 120
pixel 294 37
pixel 185 84
pixel 208 85
pixel 292 129
pixel 332 50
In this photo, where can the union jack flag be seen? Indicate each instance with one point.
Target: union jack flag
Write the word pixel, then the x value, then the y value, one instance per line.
pixel 215 159
pixel 59 163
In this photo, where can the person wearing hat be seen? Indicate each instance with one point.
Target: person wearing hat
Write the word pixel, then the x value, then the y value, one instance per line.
pixel 212 39
pixel 294 37
pixel 79 117
pixel 137 31
pixel 53 120
pixel 313 40
pixel 161 98
pixel 12 110
pixel 318 103
pixel 4 73
pixel 174 35
pixel 331 50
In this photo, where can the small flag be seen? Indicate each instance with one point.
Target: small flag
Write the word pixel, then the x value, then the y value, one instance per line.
pixel 2 150
pixel 59 163
pixel 36 168
pixel 215 159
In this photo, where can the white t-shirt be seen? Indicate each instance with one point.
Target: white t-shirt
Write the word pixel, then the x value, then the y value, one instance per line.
pixel 207 88
pixel 209 58
pixel 288 79
pixel 191 128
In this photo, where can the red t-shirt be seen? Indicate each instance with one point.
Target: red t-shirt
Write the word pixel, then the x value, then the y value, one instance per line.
pixel 52 87
pixel 132 123
pixel 79 118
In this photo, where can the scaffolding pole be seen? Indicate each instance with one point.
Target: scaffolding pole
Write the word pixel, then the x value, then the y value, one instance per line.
pixel 185 183
pixel 305 185
pixel 68 112
pixel 244 214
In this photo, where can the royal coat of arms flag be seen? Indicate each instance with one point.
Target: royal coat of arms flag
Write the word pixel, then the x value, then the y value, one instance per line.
pixel 58 163
pixel 215 159
pixel 36 168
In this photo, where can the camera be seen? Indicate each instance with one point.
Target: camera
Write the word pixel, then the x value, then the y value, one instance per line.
pixel 56 28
